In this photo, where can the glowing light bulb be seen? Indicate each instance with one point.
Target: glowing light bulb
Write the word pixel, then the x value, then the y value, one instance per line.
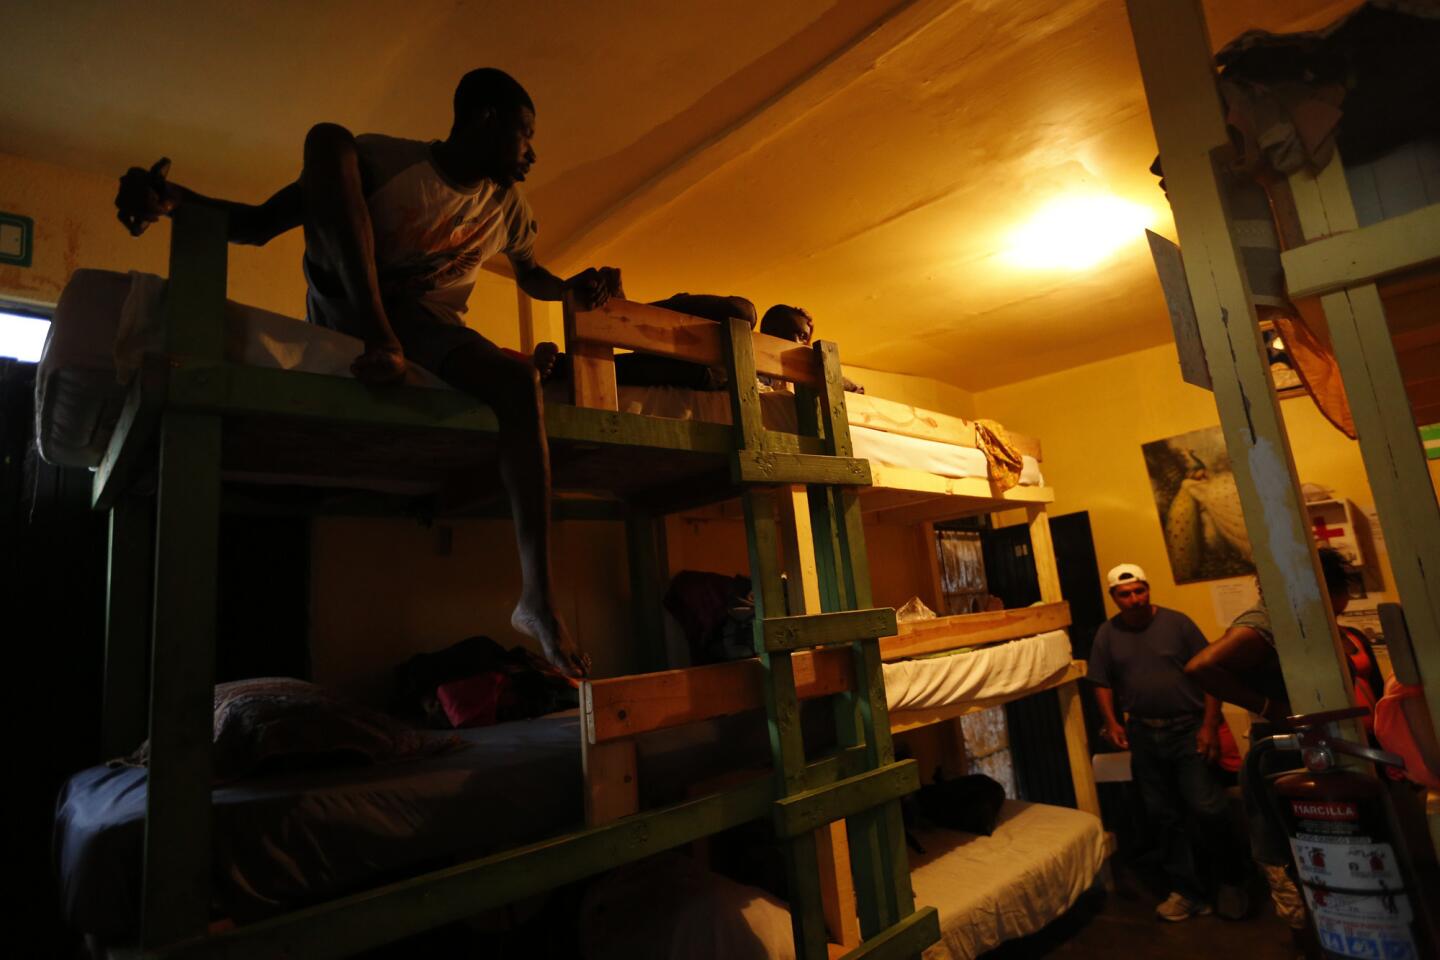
pixel 1077 232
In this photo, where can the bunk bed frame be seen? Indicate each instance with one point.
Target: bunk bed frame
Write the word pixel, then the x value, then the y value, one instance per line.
pixel 616 712
pixel 191 418
pixel 1342 264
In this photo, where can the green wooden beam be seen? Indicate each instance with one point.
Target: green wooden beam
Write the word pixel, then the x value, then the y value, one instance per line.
pixel 649 575
pixel 133 433
pixel 124 705
pixel 908 938
pixel 767 467
pixel 804 812
pixel 799 633
pixel 176 899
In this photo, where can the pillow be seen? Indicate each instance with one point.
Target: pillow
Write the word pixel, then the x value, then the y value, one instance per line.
pixel 971 803
pixel 274 724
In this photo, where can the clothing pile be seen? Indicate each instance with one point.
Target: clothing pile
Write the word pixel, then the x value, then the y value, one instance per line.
pixel 476 683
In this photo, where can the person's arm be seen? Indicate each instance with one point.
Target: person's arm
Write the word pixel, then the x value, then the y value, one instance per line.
pixel 147 195
pixel 1207 738
pixel 1114 730
pixel 1222 669
pixel 591 287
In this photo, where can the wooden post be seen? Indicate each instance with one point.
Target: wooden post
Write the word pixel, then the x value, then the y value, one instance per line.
pixel 525 313
pixel 592 368
pixel 176 886
pixel 649 575
pixel 1389 437
pixel 125 701
pixel 1077 749
pixel 1179 74
pixel 933 587
pixel 1042 549
pixel 612 788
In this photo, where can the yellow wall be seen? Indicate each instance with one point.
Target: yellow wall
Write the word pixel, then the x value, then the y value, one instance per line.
pixel 75 226
pixel 1092 420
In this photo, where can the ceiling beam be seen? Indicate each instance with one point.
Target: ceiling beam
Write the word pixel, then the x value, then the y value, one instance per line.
pixel 769 119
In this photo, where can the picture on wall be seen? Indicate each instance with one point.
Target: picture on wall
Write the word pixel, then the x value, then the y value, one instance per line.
pixel 1199 506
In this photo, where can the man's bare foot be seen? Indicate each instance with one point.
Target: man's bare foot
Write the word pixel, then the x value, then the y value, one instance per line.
pixel 379 364
pixel 542 625
pixel 544 358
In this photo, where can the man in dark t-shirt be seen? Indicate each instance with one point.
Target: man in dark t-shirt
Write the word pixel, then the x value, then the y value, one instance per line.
pixel 1171 729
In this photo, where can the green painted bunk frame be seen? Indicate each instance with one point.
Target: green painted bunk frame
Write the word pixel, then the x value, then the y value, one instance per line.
pixel 191 420
pixel 1341 263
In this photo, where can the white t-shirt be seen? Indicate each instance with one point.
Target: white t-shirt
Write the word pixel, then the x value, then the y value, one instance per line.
pixel 431 235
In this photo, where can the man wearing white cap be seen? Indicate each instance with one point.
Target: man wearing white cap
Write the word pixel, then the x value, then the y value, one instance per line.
pixel 1171 730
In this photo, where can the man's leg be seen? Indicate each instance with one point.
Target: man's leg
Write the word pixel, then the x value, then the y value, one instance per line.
pixel 511 387
pixel 1218 839
pixel 1154 775
pixel 340 247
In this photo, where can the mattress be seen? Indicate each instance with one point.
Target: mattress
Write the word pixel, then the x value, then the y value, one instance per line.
pixel 976 674
pixel 988 890
pixel 282 842
pixel 106 321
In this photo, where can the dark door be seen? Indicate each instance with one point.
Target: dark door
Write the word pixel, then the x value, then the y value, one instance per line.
pixel 1037 733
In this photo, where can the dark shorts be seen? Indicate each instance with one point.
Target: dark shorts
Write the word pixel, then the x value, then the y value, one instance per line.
pixel 427 339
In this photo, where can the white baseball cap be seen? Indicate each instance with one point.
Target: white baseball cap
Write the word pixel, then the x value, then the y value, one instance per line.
pixel 1125 573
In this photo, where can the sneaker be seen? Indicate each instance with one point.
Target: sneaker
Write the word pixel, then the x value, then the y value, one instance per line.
pixel 1179 907
pixel 1232 902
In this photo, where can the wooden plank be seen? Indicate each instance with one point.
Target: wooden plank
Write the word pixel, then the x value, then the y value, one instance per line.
pixel 877 413
pixel 908 938
pixel 525 313
pixel 1390 445
pixel 1178 71
pixel 1171 270
pixel 612 788
pixel 973 629
pixel 1356 256
pixel 125 697
pixel 651 329
pixel 797 541
pixel 905 720
pixel 770 468
pixel 619 707
pixel 984 496
pixel 649 575
pixel 817 629
pixel 133 433
pixel 803 813
pixel 1077 749
pixel 1042 549
pixel 837 886
pixel 176 885
pixel 933 588
pixel 592 367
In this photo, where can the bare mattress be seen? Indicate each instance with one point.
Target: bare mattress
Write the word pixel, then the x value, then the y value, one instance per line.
pixel 105 321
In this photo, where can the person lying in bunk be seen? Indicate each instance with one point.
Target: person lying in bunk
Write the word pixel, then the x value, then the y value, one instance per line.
pixel 793 323
pixel 395 232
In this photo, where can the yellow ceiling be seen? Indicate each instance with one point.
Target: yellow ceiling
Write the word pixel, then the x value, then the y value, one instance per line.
pixel 866 159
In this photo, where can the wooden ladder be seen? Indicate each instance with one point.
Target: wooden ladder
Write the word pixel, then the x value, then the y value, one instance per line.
pixel 805 505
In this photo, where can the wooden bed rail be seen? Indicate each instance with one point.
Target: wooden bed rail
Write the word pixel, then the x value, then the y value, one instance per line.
pixel 878 413
pixel 592 336
pixel 623 707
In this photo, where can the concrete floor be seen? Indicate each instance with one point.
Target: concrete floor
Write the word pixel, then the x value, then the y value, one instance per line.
pixel 1123 926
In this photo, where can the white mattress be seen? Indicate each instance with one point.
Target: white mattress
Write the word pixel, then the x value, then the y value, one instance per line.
pixel 976 674
pixel 105 321
pixel 993 889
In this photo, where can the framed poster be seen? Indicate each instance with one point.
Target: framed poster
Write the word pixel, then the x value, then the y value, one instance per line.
pixel 1199 506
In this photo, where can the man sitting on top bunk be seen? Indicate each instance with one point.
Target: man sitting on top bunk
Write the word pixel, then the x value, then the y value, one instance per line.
pixel 395 234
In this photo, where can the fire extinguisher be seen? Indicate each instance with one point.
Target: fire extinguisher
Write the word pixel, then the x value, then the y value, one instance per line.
pixel 1361 901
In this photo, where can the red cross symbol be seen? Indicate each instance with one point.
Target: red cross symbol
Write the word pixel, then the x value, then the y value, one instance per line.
pixel 1323 532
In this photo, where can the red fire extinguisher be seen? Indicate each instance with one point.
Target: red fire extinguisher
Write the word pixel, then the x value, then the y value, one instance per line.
pixel 1361 902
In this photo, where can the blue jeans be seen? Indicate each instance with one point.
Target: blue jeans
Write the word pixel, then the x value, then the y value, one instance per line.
pixel 1186 807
